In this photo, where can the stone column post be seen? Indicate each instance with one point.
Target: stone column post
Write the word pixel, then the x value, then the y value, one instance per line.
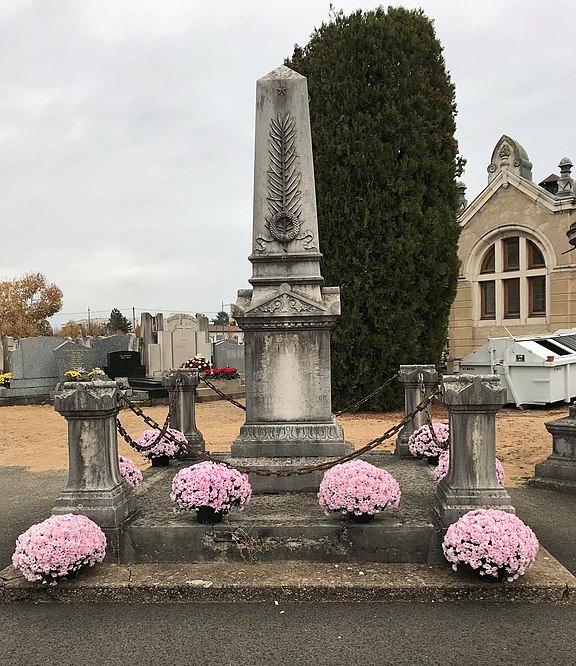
pixel 558 471
pixel 471 482
pixel 409 376
pixel 183 401
pixel 95 487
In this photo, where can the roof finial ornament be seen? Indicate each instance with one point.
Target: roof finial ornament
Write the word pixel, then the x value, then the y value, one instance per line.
pixel 462 201
pixel 565 182
pixel 509 156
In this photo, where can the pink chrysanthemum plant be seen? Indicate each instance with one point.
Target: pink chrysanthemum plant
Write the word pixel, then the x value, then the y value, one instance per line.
pixel 57 547
pixel 210 484
pixel 443 466
pixel 171 444
pixel 129 472
pixel 421 442
pixel 358 488
pixel 491 542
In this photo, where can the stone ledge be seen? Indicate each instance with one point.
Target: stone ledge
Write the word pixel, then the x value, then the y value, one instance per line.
pixel 546 582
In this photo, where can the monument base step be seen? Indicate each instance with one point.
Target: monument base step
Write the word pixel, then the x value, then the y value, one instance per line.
pixel 289 526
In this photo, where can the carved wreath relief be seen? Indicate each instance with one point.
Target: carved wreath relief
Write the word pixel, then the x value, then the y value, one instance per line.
pixel 284 195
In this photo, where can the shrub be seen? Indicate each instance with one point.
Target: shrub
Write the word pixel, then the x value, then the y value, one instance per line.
pixel 441 469
pixel 421 442
pixel 491 542
pixel 166 446
pixel 129 472
pixel 210 484
pixel 359 488
pixel 57 547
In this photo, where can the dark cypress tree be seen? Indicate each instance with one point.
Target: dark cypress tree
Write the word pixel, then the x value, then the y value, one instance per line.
pixel 383 112
pixel 118 322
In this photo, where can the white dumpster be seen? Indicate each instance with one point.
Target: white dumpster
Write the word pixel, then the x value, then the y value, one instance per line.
pixel 536 369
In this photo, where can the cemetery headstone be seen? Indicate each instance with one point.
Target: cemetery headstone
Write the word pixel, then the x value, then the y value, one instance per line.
pixel 72 356
pixel 228 353
pixel 103 346
pixel 125 364
pixel 33 366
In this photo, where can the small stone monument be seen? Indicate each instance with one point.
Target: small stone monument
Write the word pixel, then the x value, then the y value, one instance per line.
pixel 414 378
pixel 471 482
pixel 181 385
pixel 558 471
pixel 288 315
pixel 95 487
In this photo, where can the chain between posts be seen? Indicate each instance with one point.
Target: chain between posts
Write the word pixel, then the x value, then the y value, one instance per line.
pixel 221 393
pixel 307 469
pixel 163 432
pixel 370 395
pixel 163 429
pixel 342 411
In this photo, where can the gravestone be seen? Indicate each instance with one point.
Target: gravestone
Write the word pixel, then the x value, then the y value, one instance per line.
pixel 7 346
pixel 33 366
pixel 288 314
pixel 228 353
pixel 104 345
pixel 125 364
pixel 168 343
pixel 72 356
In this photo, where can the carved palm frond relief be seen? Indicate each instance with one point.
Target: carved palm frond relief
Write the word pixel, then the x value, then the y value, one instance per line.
pixel 283 180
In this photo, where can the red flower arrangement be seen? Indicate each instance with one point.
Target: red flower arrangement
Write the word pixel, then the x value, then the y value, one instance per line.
pixel 222 373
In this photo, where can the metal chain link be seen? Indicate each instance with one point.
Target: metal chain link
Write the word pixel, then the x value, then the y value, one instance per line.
pixel 163 429
pixel 271 472
pixel 342 411
pixel 221 393
pixel 320 466
pixel 370 395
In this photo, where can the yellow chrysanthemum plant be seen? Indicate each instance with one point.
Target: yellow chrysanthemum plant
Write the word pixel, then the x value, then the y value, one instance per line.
pixel 81 375
pixel 5 379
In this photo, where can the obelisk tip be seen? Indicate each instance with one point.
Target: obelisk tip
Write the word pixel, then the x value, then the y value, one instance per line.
pixel 281 72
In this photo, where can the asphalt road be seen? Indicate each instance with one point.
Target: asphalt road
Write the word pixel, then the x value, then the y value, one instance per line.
pixel 27 498
pixel 325 634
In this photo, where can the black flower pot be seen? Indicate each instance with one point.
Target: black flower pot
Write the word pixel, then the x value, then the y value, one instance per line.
pixel 432 460
pixel 160 461
pixel 361 519
pixel 206 515
pixel 500 577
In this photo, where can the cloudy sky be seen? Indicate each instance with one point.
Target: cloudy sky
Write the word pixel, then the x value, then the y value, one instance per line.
pixel 126 131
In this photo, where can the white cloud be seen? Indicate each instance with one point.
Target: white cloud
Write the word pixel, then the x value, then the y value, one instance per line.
pixel 126 130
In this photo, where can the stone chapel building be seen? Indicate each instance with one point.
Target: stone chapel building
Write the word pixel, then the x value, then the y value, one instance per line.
pixel 515 274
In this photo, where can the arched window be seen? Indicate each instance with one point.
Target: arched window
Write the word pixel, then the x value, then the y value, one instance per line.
pixel 488 261
pixel 512 280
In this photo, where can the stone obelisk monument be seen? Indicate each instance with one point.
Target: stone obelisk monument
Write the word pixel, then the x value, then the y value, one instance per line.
pixel 287 315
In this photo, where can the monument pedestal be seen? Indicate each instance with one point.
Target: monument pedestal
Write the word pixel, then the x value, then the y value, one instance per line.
pixel 558 471
pixel 95 487
pixel 291 439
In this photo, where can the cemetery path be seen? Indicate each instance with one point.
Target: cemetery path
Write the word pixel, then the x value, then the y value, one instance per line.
pixel 35 437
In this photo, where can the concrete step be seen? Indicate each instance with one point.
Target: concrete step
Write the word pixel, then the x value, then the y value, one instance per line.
pixel 280 583
pixel 286 526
